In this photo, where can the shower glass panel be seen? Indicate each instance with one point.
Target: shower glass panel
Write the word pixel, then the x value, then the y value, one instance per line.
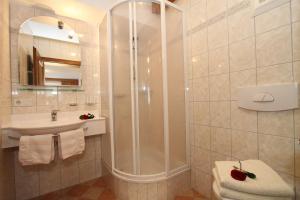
pixel 149 89
pixel 147 94
pixel 121 75
pixel 176 87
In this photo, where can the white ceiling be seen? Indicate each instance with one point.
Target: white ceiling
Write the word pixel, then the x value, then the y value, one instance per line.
pixel 91 11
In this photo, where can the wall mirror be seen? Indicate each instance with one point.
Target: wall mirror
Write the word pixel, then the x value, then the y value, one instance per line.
pixel 49 53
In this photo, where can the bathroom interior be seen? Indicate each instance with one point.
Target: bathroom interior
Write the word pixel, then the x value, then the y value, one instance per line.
pixel 149 99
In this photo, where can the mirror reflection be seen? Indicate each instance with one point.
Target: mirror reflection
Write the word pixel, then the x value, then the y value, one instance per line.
pixel 49 53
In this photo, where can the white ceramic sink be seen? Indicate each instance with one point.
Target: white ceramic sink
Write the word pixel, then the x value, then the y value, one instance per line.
pixel 45 127
pixel 38 124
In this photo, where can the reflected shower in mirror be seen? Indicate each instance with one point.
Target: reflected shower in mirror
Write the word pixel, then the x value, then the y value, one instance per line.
pixel 49 53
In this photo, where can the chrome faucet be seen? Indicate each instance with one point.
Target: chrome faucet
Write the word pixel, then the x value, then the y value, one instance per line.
pixel 54 115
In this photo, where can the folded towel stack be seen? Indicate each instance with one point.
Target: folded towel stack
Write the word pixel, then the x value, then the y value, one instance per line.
pixel 268 185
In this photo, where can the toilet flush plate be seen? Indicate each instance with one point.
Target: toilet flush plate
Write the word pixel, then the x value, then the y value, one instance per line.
pixel 275 97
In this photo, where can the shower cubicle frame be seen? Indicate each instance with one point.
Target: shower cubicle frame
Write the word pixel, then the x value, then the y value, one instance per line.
pixel 167 173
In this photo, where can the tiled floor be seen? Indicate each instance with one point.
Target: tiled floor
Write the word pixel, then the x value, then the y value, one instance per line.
pixel 92 190
pixel 190 195
pixel 97 190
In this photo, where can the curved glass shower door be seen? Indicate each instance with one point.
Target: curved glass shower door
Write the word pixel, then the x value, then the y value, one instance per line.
pixel 122 88
pixel 148 88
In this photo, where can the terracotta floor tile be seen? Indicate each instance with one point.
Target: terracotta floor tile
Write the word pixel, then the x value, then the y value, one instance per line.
pixel 100 183
pixel 98 190
pixel 107 194
pixel 189 193
pixel 184 198
pixel 77 190
pixel 92 193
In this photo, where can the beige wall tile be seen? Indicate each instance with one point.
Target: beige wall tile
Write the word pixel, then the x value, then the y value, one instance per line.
pixel 66 97
pixel 200 65
pixel 297 158
pixel 232 3
pixel 19 13
pixel 220 114
pixel 295 10
pixel 244 145
pixel 201 159
pixel 218 157
pixel 199 42
pixel 69 172
pixel 219 87
pixel 242 119
pixel 24 96
pixel 221 141
pixel 274 18
pixel 296 70
pixel 276 123
pixel 190 92
pixel 201 89
pixel 90 150
pixel 46 109
pixel 240 79
pixel 201 136
pixel 274 47
pixel 296 41
pixel 45 98
pixel 27 187
pixel 218 61
pixel 241 25
pixel 87 171
pixel 23 110
pixel 297 123
pixel 201 113
pixel 278 152
pixel 50 178
pixel 196 2
pixel 203 183
pixel 242 55
pixel 215 39
pixel 297 185
pixel 275 74
pixel 215 7
pixel 197 13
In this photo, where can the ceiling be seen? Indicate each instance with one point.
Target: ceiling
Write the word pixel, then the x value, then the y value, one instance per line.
pixel 87 10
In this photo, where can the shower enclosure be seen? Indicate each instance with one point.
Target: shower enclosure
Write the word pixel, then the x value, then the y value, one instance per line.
pixel 147 90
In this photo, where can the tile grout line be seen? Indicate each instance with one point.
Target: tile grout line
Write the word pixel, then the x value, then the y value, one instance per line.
pixel 256 81
pixel 293 72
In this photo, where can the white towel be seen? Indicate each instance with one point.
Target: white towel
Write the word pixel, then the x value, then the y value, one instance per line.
pixel 267 181
pixel 231 194
pixel 37 149
pixel 217 192
pixel 71 143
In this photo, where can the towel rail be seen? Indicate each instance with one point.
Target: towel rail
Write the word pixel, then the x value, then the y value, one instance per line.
pixel 18 136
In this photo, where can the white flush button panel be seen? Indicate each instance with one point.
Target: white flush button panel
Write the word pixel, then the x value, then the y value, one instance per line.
pixel 269 97
pixel 262 6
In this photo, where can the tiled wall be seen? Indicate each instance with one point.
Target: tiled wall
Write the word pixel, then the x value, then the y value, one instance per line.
pixel 45 101
pixel 229 47
pixel 34 181
pixel 6 157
